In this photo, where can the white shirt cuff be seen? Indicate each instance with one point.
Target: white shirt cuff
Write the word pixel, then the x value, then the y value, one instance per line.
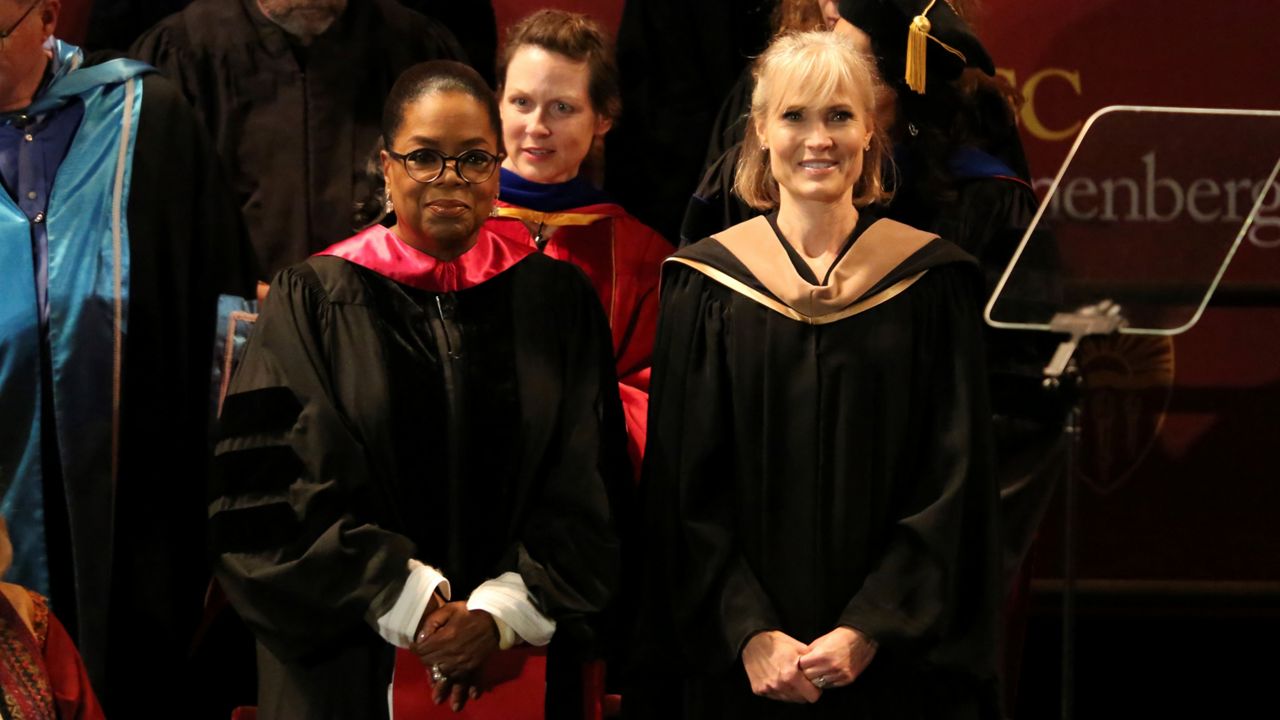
pixel 400 623
pixel 507 599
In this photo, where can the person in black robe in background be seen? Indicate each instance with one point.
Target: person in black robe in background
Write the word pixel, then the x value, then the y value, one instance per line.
pixel 676 60
pixel 818 494
pixel 117 24
pixel 292 101
pixel 423 412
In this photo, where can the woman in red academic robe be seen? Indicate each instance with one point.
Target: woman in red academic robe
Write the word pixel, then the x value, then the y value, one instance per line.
pixel 559 95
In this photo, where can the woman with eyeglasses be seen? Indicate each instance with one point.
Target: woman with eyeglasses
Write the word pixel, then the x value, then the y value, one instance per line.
pixel 421 441
pixel 558 88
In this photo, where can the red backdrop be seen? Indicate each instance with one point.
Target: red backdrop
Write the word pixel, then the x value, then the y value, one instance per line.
pixel 1184 486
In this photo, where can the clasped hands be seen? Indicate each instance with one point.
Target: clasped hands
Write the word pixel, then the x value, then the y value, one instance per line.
pixel 783 668
pixel 455 642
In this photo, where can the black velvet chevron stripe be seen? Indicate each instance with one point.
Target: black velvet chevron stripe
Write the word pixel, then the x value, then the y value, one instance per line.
pixel 258 528
pixel 265 469
pixel 266 410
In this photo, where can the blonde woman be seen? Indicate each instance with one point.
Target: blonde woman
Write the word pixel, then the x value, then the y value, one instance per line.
pixel 818 496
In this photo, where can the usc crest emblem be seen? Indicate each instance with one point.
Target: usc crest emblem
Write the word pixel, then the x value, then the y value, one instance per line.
pixel 1128 382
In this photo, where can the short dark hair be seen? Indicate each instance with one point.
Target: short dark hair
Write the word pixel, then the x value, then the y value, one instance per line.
pixel 437 76
pixel 578 38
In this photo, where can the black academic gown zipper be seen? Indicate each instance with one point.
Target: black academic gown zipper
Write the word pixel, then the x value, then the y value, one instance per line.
pixel 448 338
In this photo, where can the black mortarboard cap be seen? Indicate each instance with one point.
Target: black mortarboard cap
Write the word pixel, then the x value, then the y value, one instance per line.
pixel 917 40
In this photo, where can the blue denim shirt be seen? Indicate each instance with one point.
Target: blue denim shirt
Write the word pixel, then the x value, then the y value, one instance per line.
pixel 31 151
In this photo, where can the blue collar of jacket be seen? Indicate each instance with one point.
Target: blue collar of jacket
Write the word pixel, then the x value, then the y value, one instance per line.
pixel 69 78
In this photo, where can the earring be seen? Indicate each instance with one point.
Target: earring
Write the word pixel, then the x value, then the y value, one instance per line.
pixel 764 148
pixel 867 148
pixel 387 206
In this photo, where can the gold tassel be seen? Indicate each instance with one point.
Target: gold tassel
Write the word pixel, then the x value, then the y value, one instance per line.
pixel 918 49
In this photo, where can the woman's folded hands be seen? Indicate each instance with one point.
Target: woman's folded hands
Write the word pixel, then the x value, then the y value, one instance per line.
pixel 783 668
pixel 453 643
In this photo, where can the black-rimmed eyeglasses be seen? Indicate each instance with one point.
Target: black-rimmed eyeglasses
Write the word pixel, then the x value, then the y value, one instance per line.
pixel 473 166
pixel 9 30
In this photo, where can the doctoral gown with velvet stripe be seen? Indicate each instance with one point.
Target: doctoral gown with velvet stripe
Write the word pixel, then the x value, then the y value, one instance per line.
pixel 803 475
pixel 463 413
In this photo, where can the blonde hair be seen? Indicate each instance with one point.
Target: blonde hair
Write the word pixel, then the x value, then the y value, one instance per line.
pixel 807 68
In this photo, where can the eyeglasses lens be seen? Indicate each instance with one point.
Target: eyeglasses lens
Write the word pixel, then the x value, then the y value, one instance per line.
pixel 474 166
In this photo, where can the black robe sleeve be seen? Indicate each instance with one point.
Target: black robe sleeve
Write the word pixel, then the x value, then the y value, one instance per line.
pixel 164 47
pixel 688 486
pixel 295 490
pixel 567 550
pixel 934 592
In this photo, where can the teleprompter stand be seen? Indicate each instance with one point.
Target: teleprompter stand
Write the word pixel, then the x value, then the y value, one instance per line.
pixel 1133 237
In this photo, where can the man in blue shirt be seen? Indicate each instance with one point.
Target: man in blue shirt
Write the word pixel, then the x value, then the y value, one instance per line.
pixel 116 235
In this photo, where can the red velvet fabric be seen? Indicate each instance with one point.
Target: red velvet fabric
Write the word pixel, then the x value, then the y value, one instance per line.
pixel 380 250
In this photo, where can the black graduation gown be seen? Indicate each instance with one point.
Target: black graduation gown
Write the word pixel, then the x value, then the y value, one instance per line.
pixel 986 212
pixel 297 128
pixel 371 422
pixel 805 474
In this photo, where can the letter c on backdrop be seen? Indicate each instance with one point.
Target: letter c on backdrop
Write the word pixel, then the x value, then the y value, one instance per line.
pixel 1029 117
